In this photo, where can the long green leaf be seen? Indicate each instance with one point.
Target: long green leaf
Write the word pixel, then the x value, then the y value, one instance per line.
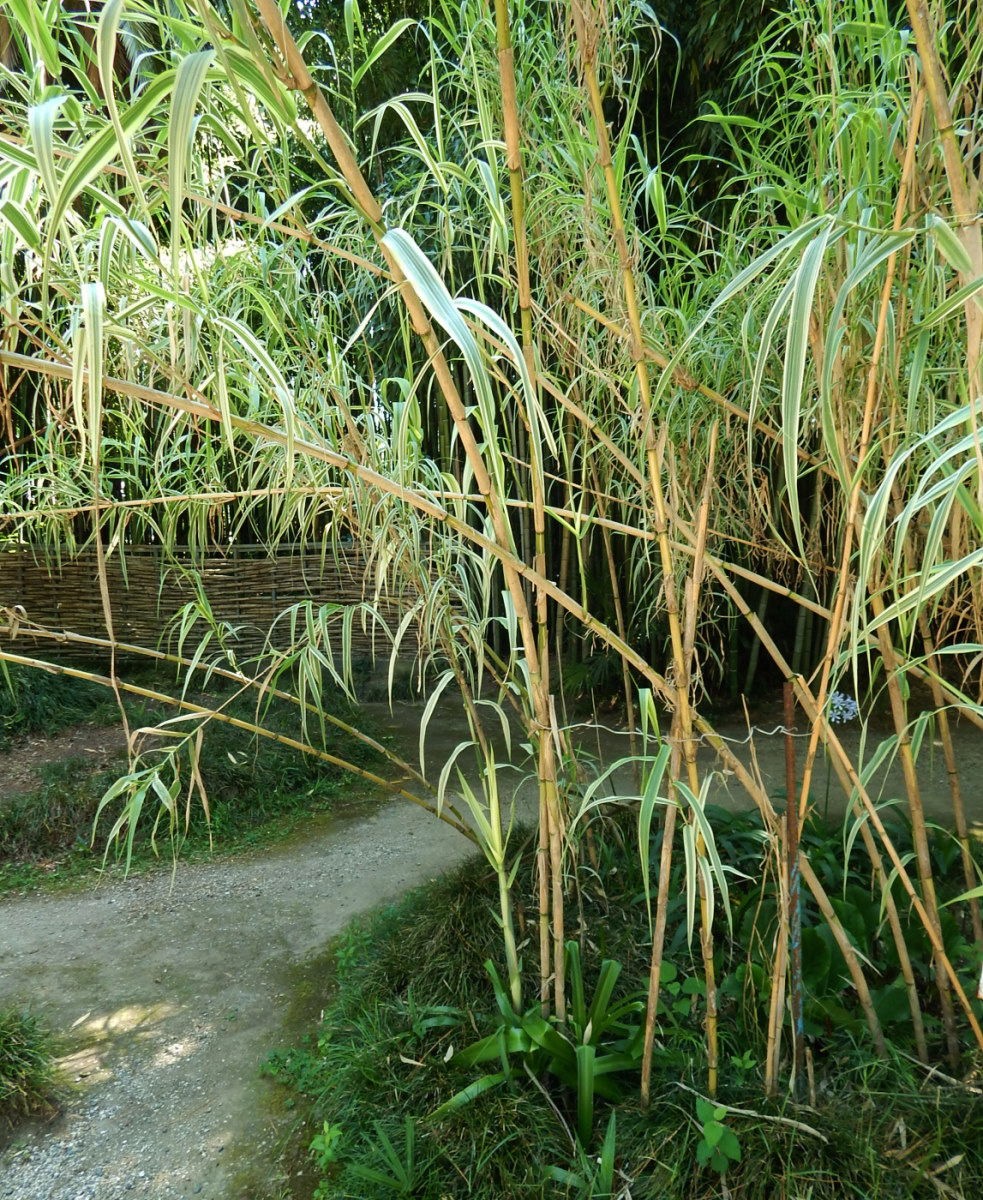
pixel 467 1095
pixel 379 49
pixel 93 315
pixel 106 36
pixel 27 14
pixel 796 350
pixel 188 82
pixel 646 810
pixel 585 1093
pixel 437 300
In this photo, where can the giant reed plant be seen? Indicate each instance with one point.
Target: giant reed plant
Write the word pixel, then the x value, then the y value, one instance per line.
pixel 230 312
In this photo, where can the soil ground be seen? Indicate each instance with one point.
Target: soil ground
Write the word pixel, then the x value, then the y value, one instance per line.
pixel 168 993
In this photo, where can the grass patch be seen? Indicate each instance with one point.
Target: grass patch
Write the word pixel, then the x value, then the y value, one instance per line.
pixel 26 1067
pixel 33 701
pixel 383 1076
pixel 257 792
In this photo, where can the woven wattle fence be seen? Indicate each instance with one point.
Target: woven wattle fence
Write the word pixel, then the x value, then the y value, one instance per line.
pixel 245 586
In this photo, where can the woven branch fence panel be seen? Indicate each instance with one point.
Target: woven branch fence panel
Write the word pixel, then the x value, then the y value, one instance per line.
pixel 245 586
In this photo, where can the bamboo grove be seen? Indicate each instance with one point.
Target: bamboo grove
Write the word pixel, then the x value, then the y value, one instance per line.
pixel 555 405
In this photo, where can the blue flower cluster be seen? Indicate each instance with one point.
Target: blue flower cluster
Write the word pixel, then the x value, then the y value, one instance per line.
pixel 842 708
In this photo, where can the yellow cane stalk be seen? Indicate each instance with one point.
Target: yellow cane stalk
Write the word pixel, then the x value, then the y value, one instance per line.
pixel 551 817
pixel 586 29
pixel 300 78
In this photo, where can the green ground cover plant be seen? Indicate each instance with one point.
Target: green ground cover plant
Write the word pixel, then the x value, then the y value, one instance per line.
pixel 413 1056
pixel 26 1067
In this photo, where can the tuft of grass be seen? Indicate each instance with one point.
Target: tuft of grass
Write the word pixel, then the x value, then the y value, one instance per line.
pixel 409 989
pixel 26 1066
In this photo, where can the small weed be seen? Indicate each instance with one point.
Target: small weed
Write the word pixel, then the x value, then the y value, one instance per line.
pixel 324 1146
pixel 718 1148
pixel 743 1067
pixel 304 1069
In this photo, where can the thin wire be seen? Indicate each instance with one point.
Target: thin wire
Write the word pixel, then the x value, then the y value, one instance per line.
pixel 756 731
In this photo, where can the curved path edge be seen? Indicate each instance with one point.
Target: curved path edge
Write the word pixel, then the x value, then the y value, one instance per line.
pixel 169 994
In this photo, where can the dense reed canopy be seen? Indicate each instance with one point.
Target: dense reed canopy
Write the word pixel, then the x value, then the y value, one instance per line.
pixel 257 285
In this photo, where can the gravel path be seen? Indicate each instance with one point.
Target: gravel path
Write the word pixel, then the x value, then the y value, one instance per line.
pixel 168 999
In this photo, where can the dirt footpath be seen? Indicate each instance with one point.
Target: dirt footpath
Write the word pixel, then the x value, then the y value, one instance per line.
pixel 170 998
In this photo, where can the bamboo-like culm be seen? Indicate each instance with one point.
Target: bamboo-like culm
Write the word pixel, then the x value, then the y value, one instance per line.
pixel 962 187
pixel 788 942
pixel 794 892
pixel 552 819
pixel 846 949
pixel 960 177
pixel 952 771
pixel 843 587
pixel 585 24
pixel 300 78
pixel 852 784
pixel 844 590
pixel 916 811
pixel 448 814
pixel 669 824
